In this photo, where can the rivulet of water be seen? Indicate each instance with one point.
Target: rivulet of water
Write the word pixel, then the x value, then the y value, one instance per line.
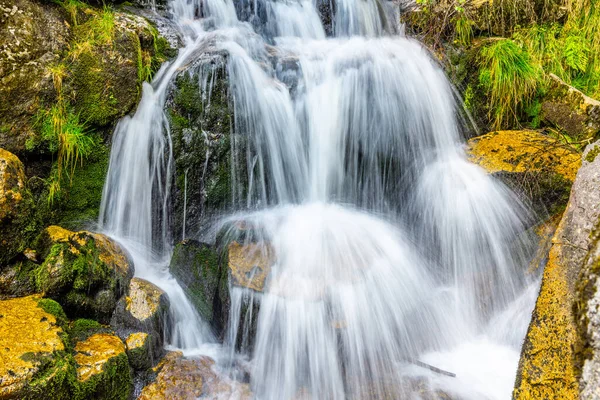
pixel 388 245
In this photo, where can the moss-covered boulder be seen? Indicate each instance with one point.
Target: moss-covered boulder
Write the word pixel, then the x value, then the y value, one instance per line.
pixel 16 207
pixel 34 363
pixel 187 379
pixel 34 36
pixel 537 166
pixel 548 367
pixel 201 121
pixel 201 269
pixel 85 272
pixel 145 308
pixel 102 369
pixel 571 111
pixel 140 350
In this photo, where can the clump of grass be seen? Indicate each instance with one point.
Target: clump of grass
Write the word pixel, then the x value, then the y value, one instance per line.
pixel 510 78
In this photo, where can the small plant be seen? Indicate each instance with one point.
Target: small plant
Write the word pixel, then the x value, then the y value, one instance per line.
pixel 510 77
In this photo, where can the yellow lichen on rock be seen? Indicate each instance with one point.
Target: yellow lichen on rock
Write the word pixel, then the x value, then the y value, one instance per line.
pixel 92 354
pixel 144 299
pixel 546 370
pixel 27 334
pixel 523 151
pixel 250 264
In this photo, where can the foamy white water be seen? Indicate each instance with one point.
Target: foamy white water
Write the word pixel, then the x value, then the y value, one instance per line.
pixel 388 245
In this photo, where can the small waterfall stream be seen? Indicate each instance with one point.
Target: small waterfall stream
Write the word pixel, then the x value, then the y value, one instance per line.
pixel 389 246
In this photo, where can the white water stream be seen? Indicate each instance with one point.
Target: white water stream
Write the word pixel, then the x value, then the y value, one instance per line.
pixel 389 245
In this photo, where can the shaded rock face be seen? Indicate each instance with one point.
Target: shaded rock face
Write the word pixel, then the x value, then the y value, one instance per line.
pixel 201 130
pixel 85 272
pixel 571 111
pixel 33 38
pixel 536 166
pixel 16 207
pixel 188 379
pixel 549 366
pixel 143 310
pixel 102 368
pixel 34 364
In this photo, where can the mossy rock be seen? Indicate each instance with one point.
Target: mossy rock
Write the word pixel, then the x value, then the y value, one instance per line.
pixel 85 272
pixel 201 130
pixel 536 166
pixel 16 208
pixel 35 363
pixel 102 369
pixel 34 38
pixel 554 348
pixel 139 350
pixel 202 272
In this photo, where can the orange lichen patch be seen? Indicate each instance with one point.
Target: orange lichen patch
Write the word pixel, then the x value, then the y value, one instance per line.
pixel 27 334
pixel 144 299
pixel 97 350
pixel 546 369
pixel 545 232
pixel 250 264
pixel 523 151
pixel 182 378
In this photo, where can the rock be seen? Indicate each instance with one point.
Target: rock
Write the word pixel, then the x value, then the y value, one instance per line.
pixel 249 265
pixel 85 272
pixel 34 362
pixel 547 367
pixel 139 350
pixel 536 166
pixel 34 37
pixel 102 368
pixel 201 270
pixel 571 111
pixel 187 379
pixel 16 207
pixel 143 309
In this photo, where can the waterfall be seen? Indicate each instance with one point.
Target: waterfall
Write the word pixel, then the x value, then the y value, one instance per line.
pixel 389 246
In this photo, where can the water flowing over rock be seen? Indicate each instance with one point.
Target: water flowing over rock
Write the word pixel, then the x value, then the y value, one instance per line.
pixel 374 241
pixel 549 363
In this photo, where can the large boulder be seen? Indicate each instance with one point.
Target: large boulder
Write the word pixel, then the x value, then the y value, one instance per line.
pixel 548 366
pixel 34 362
pixel 85 272
pixel 571 111
pixel 102 369
pixel 34 35
pixel 144 309
pixel 187 379
pixel 537 166
pixel 16 207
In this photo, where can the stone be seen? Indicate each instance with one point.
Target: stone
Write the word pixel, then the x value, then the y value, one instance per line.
pixel 34 363
pixel 180 378
pixel 85 272
pixel 547 366
pixel 139 350
pixel 571 111
pixel 144 309
pixel 250 264
pixel 102 368
pixel 16 207
pixel 535 165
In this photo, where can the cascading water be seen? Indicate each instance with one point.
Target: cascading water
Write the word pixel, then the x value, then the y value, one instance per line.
pixel 388 245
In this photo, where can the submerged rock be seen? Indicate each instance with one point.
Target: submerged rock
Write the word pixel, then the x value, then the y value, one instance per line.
pixel 102 368
pixel 571 111
pixel 536 166
pixel 187 379
pixel 16 207
pixel 142 311
pixel 548 364
pixel 34 362
pixel 85 272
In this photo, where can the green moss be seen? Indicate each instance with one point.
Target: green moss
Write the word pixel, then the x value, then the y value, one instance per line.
pixel 592 154
pixel 114 383
pixel 83 328
pixel 55 382
pixel 52 307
